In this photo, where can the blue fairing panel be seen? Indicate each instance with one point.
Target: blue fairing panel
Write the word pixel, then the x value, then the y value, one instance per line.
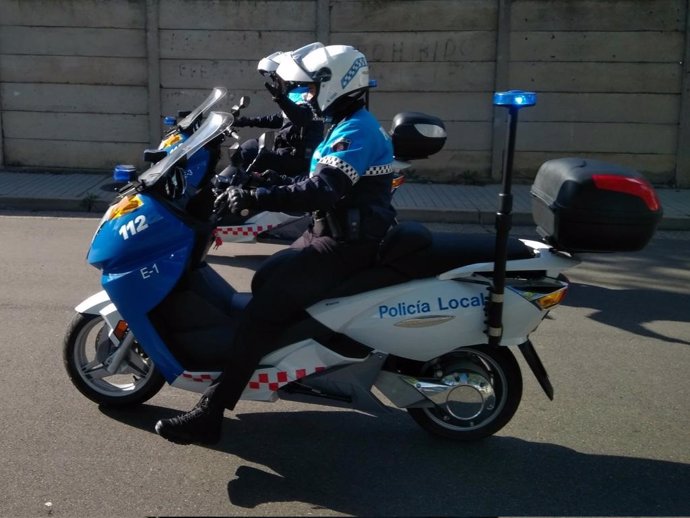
pixel 142 255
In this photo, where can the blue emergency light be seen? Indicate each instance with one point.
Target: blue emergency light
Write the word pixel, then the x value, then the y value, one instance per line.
pixel 515 99
pixel 169 121
pixel 124 173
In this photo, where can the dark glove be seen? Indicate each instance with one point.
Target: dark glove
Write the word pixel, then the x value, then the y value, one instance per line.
pixel 231 176
pixel 241 122
pixel 274 90
pixel 240 201
pixel 268 178
pixel 220 183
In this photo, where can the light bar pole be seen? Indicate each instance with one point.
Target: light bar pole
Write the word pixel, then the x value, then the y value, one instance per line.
pixel 513 100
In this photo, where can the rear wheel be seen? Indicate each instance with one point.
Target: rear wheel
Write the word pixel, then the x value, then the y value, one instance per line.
pixel 484 391
pixel 86 348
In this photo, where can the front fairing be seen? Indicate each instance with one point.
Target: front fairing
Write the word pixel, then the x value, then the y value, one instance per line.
pixel 149 242
pixel 143 254
pixel 148 220
pixel 145 241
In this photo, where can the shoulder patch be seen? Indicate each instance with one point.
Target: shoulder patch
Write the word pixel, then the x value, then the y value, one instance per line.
pixel 342 144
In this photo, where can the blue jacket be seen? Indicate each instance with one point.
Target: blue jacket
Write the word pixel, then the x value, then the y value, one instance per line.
pixel 350 169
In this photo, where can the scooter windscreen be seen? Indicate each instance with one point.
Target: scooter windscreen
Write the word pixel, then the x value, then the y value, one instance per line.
pixel 215 124
pixel 216 95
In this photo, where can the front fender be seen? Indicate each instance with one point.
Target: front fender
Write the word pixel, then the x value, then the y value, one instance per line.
pixel 99 304
pixel 94 304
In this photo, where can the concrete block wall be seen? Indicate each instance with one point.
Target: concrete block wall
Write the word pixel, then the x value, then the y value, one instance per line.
pixel 73 79
pixel 84 83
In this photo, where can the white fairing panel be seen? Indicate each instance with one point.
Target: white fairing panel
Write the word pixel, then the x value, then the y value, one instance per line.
pixel 275 370
pixel 290 364
pixel 425 318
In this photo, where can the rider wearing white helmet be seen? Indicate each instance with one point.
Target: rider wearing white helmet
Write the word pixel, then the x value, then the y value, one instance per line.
pixel 356 148
pixel 299 129
pixel 348 188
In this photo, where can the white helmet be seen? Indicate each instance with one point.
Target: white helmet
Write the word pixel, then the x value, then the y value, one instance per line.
pixel 338 70
pixel 269 64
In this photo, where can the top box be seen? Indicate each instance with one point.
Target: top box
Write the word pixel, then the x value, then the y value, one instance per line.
pixel 583 205
pixel 416 135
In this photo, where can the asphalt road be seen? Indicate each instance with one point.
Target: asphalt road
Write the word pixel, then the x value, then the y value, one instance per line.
pixel 615 442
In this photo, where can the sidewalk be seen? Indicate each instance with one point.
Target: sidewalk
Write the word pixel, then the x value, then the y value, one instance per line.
pixel 91 192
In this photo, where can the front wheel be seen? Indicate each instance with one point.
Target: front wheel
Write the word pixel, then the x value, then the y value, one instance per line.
pixel 86 350
pixel 484 391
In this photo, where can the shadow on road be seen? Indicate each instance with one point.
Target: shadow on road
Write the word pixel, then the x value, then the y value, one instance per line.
pixel 631 309
pixel 360 465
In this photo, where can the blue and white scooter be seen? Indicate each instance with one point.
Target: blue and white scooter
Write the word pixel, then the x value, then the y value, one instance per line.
pixel 414 326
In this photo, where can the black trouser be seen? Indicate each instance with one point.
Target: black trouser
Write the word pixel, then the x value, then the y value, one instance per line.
pixel 287 283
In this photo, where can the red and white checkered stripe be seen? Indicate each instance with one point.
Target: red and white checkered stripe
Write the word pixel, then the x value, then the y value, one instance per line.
pixel 263 380
pixel 248 230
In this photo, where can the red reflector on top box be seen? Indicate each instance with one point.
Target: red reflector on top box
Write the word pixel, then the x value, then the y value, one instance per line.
pixel 583 205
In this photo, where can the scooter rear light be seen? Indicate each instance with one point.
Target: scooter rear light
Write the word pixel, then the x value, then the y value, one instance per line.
pixel 633 186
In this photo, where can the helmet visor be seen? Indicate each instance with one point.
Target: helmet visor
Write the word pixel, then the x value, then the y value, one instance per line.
pixel 290 70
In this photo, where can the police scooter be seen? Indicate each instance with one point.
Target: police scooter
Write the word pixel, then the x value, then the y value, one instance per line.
pixel 414 326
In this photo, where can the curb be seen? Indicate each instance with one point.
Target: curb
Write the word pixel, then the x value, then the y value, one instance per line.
pixel 477 217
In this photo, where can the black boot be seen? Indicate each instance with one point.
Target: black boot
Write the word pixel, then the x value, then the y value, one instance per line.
pixel 201 425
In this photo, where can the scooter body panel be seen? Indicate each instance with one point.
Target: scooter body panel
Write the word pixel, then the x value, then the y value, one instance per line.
pixel 142 255
pixel 397 319
pixel 277 369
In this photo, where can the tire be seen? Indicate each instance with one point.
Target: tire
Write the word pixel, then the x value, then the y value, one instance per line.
pixel 487 391
pixel 86 345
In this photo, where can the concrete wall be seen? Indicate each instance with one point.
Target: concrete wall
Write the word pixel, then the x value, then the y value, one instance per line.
pixel 84 83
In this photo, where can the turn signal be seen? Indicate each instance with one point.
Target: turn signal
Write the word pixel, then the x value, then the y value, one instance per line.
pixel 124 206
pixel 170 141
pixel 120 329
pixel 552 299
